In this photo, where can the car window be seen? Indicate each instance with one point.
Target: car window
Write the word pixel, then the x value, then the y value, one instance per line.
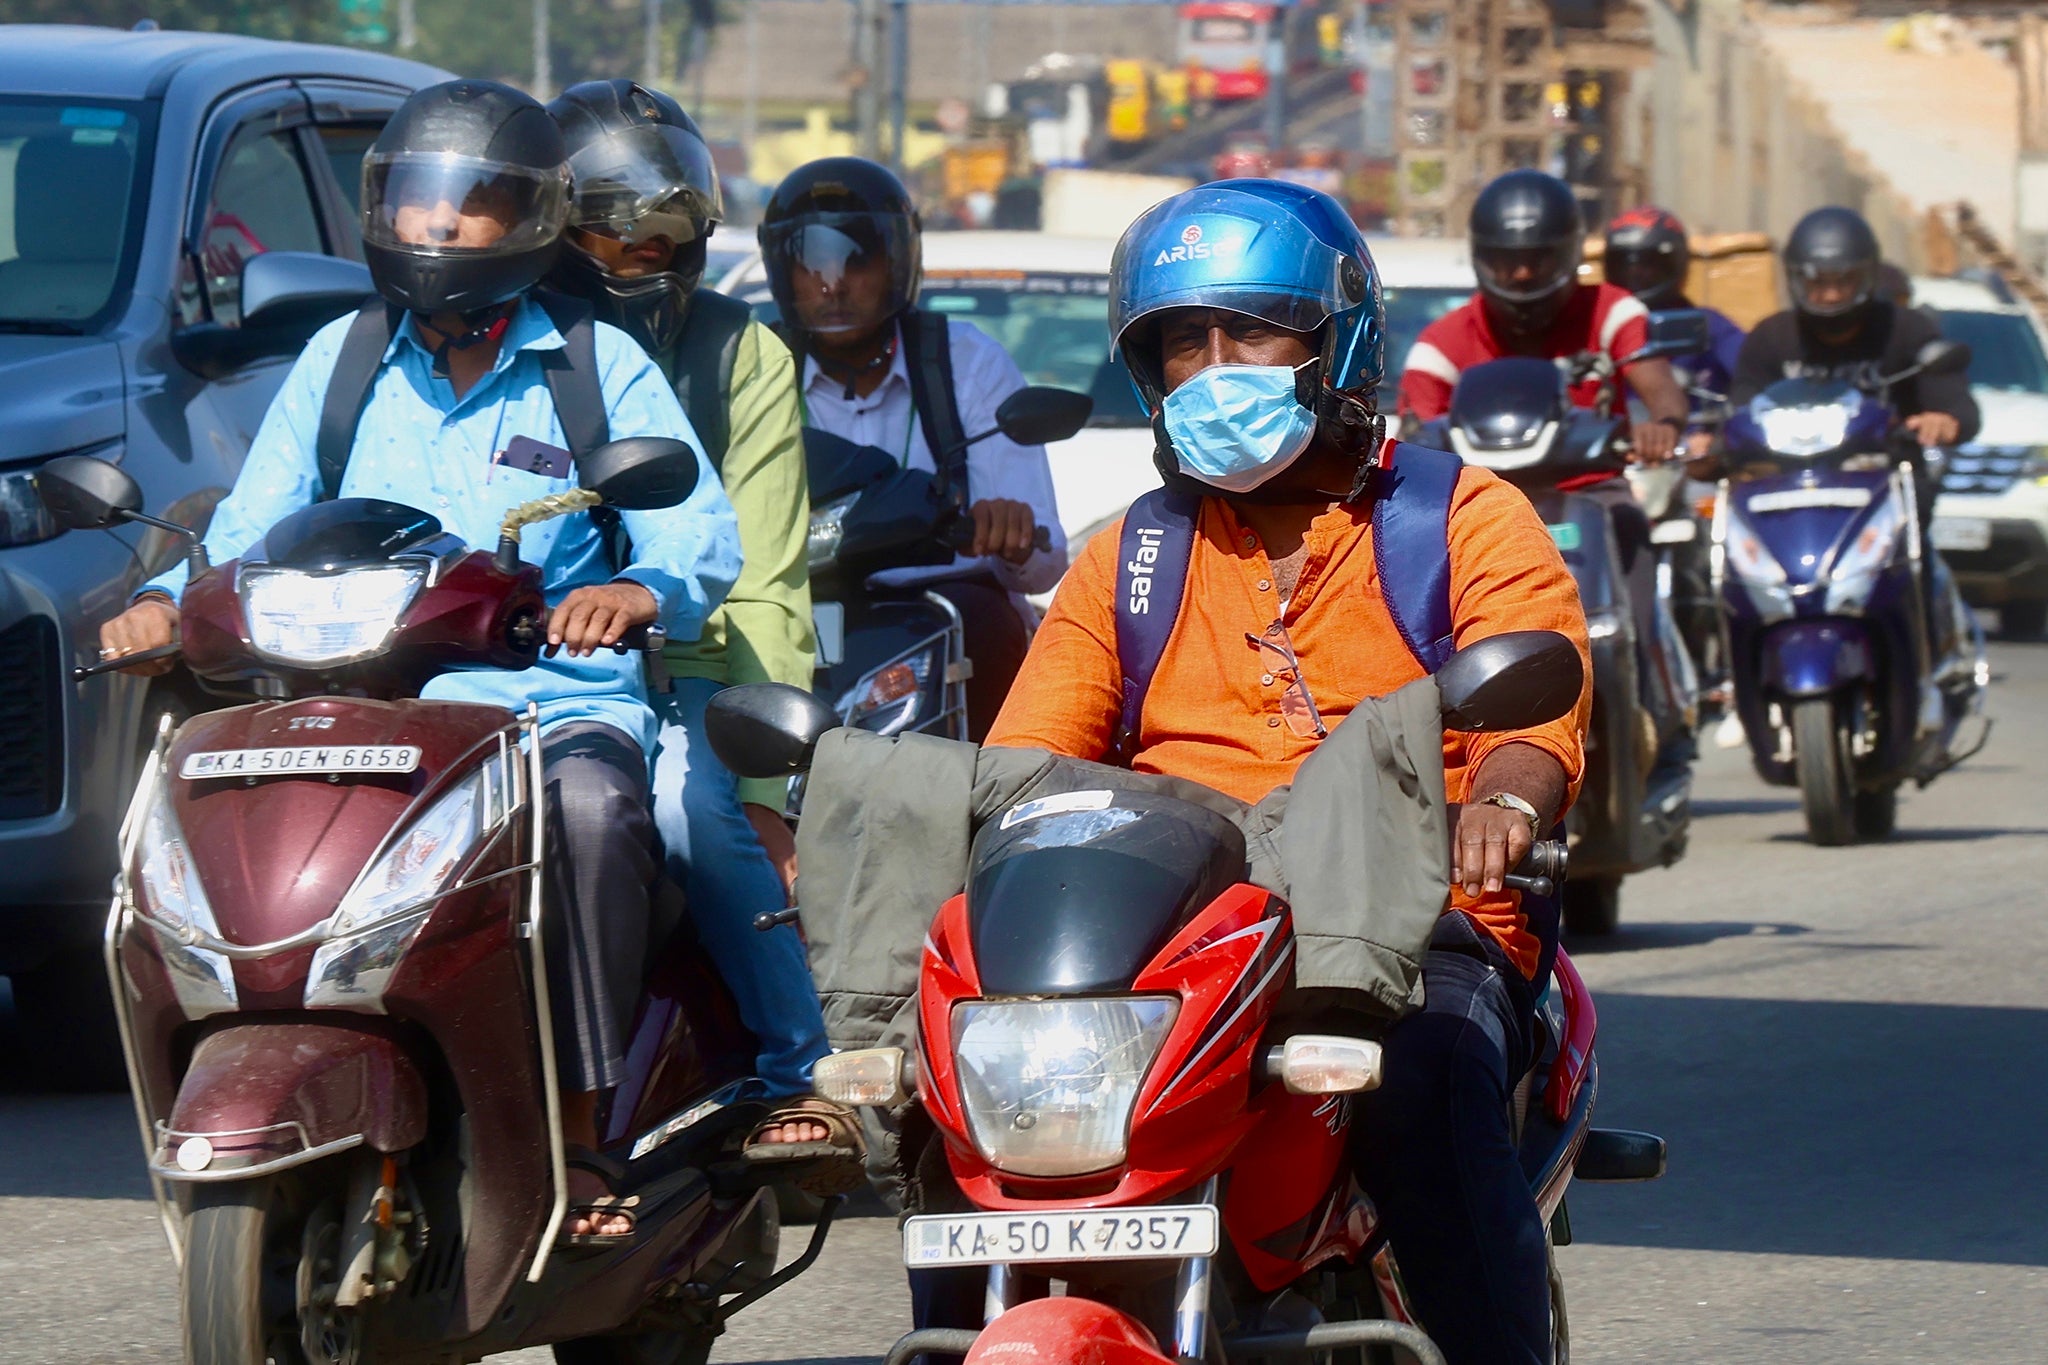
pixel 345 148
pixel 2005 350
pixel 67 209
pixel 1410 308
pixel 261 202
pixel 1055 326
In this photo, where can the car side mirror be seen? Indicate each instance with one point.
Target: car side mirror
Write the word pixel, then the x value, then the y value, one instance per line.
pixel 301 290
pixel 87 494
pixel 1040 415
pixel 1677 331
pixel 766 730
pixel 1942 356
pixel 1511 681
pixel 640 473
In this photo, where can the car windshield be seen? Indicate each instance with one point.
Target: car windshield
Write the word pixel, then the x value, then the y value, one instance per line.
pixel 69 204
pixel 2005 351
pixel 1055 326
pixel 1410 308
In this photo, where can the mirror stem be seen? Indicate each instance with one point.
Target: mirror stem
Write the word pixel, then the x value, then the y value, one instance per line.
pixel 196 562
pixel 506 561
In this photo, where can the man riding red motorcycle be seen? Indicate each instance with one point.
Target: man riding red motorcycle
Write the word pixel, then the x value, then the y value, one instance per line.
pixel 1261 359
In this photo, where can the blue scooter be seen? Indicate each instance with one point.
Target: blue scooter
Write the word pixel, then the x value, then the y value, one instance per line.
pixel 1848 681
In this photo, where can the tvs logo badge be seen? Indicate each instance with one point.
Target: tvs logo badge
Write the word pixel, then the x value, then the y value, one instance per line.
pixel 1191 234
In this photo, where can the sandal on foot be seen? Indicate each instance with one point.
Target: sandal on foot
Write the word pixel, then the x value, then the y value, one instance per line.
pixel 594 1180
pixel 835 1163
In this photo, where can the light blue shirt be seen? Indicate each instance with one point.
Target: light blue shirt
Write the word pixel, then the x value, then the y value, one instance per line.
pixel 418 445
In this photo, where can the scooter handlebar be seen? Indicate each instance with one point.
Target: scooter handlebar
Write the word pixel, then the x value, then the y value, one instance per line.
pixel 1542 869
pixel 960 535
pixel 115 665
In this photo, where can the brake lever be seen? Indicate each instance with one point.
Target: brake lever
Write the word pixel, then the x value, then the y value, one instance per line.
pixel 775 919
pixel 115 665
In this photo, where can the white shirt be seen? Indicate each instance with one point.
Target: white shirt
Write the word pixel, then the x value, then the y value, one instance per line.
pixel 983 376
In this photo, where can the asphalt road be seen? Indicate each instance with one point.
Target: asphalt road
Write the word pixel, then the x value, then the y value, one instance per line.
pixel 1847 1049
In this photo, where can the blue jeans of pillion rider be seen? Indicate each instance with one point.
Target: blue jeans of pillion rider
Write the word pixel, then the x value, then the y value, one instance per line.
pixel 715 856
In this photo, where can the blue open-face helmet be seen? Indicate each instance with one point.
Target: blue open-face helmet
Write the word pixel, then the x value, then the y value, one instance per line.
pixel 1276 251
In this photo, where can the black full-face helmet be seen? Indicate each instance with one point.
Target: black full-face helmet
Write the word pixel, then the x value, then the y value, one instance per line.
pixel 465 195
pixel 1527 238
pixel 1648 255
pixel 827 220
pixel 1831 261
pixel 639 170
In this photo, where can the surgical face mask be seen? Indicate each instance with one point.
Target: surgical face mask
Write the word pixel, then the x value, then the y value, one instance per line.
pixel 1236 426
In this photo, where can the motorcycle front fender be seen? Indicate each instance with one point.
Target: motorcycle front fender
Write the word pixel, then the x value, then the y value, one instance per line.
pixel 1070 1330
pixel 1814 658
pixel 264 1097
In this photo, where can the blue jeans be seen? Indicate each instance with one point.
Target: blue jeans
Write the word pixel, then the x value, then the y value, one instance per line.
pixel 715 856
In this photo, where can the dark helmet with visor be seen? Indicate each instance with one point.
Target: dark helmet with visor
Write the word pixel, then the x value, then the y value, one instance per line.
pixel 828 220
pixel 1527 239
pixel 1831 262
pixel 639 170
pixel 1648 255
pixel 465 195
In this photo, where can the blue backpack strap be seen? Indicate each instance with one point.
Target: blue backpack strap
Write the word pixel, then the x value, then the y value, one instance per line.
pixel 1411 547
pixel 1151 577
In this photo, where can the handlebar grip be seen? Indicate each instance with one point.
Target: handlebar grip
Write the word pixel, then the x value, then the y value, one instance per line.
pixel 775 919
pixel 960 535
pixel 1041 538
pixel 1534 886
pixel 140 656
pixel 642 639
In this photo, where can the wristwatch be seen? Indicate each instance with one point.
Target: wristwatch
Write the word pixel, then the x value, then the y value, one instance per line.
pixel 1509 801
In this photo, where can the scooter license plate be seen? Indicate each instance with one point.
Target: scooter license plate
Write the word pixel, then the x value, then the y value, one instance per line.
pixel 291 760
pixel 1960 533
pixel 1151 1233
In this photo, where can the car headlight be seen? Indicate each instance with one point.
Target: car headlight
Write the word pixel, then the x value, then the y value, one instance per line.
pixel 386 908
pixel 889 699
pixel 1049 1085
pixel 175 902
pixel 828 528
pixel 327 618
pixel 23 518
pixel 1810 429
pixel 1857 566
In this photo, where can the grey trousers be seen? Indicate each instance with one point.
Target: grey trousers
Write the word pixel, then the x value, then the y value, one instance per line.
pixel 600 851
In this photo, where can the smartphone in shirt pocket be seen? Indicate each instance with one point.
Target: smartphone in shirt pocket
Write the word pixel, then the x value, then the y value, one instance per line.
pixel 529 456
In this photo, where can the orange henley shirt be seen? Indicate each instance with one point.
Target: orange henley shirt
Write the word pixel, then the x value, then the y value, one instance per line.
pixel 1213 712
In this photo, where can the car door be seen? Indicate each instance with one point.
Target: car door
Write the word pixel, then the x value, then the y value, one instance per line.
pixel 347 117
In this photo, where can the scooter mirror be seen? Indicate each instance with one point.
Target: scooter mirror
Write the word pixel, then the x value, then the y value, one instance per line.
pixel 1510 681
pixel 1942 356
pixel 1038 415
pixel 87 494
pixel 1678 331
pixel 766 729
pixel 640 473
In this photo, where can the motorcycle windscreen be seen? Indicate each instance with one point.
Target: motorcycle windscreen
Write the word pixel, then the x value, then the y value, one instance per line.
pixel 344 532
pixel 1502 404
pixel 1074 893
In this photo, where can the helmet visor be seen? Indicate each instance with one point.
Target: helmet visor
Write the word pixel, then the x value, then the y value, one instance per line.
pixel 841 273
pixel 1525 274
pixel 1640 270
pixel 1832 290
pixel 646 182
pixel 442 204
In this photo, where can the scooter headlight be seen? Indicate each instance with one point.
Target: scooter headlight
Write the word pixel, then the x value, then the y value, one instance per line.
pixel 1867 555
pixel 891 698
pixel 175 902
pixel 327 618
pixel 1805 430
pixel 1049 1085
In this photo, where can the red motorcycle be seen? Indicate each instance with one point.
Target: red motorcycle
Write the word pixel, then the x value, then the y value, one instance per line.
pixel 325 949
pixel 1099 1052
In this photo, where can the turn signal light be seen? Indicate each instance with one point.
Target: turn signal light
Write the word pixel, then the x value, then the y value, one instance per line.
pixel 1322 1064
pixel 871 1076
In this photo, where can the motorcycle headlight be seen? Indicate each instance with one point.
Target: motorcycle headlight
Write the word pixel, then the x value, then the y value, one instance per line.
pixel 1049 1085
pixel 1747 555
pixel 828 527
pixel 386 908
pixel 1867 554
pixel 23 518
pixel 327 618
pixel 1810 429
pixel 173 899
pixel 889 699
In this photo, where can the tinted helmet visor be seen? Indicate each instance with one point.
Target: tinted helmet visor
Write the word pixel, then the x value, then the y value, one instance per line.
pixel 1830 290
pixel 841 273
pixel 645 182
pixel 1526 274
pixel 448 205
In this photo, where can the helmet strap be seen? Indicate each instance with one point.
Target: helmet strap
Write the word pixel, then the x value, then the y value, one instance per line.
pixel 485 325
pixel 850 375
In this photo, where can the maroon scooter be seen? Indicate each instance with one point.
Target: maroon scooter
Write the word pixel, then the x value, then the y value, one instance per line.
pixel 326 954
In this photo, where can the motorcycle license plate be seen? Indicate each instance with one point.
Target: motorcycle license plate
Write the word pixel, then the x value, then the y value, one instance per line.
pixel 1960 533
pixel 295 759
pixel 828 619
pixel 1151 1233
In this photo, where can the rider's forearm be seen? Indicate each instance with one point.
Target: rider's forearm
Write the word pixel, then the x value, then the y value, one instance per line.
pixel 1657 385
pixel 1526 771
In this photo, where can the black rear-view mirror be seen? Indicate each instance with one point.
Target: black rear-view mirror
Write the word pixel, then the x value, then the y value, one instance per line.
pixel 1510 681
pixel 640 473
pixel 87 494
pixel 1040 415
pixel 766 730
pixel 1677 331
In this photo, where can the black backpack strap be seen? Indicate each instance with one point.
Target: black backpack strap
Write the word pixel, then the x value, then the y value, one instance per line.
pixel 705 355
pixel 928 357
pixel 1411 547
pixel 1151 578
pixel 348 391
pixel 572 374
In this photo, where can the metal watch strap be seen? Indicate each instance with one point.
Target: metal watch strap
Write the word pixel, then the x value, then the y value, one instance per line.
pixel 1509 801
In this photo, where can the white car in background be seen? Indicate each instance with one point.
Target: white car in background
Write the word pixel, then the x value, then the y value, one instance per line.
pixel 1991 519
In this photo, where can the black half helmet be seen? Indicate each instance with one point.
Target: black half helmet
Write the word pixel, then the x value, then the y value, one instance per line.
pixel 465 195
pixel 639 170
pixel 1831 261
pixel 1527 238
pixel 828 219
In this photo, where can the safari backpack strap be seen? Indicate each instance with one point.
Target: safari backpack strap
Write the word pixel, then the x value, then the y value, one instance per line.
pixel 572 376
pixel 1411 539
pixel 705 355
pixel 1151 577
pixel 348 391
pixel 928 359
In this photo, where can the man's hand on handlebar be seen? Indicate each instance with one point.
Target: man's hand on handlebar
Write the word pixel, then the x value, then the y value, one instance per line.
pixel 590 619
pixel 1654 441
pixel 1004 528
pixel 1488 841
pixel 150 623
pixel 1934 428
